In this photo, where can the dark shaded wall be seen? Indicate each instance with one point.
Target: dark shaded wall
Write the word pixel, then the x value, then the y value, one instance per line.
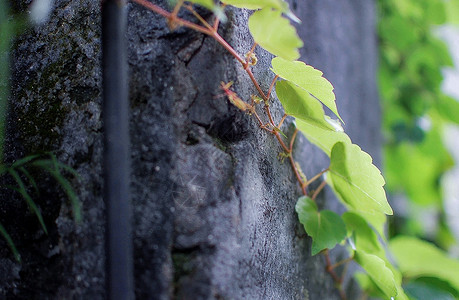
pixel 213 206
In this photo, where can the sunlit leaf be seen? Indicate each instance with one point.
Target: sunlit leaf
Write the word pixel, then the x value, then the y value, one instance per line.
pixel 448 108
pixel 436 12
pixel 258 4
pixel 307 78
pixel 452 11
pixel 326 228
pixel 322 138
pixel 364 238
pixel 381 275
pixel 375 219
pixel 356 180
pixel 275 33
pixel 368 285
pixel 301 105
pixel 418 258
pixel 206 3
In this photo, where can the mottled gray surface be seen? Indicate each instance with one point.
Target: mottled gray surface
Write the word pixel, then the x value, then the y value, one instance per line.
pixel 213 205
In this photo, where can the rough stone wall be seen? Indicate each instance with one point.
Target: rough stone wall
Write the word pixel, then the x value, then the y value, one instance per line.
pixel 213 206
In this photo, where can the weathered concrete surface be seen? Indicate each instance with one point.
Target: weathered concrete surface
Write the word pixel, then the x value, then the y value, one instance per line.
pixel 213 206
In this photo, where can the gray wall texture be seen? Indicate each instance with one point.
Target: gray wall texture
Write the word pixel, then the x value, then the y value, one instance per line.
pixel 213 206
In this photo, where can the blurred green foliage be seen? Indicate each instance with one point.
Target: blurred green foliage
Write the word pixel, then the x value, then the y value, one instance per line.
pixel 415 112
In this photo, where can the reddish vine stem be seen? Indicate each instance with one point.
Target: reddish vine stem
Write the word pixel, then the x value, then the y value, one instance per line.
pixel 169 16
pixel 292 140
pixel 212 31
pixel 344 261
pixel 272 86
pixel 268 113
pixel 318 190
pixel 251 50
pixel 177 8
pixel 297 174
pixel 282 121
pixel 338 281
pixel 198 16
pixel 317 176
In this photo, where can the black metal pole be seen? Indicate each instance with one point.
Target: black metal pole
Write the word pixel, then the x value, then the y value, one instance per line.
pixel 119 267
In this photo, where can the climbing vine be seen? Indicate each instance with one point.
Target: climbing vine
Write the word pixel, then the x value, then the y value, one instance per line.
pixel 303 92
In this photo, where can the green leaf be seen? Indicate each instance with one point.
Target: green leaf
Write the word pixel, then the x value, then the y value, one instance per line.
pixel 399 32
pixel 301 105
pixel 322 138
pixel 65 184
pixel 421 291
pixel 418 258
pixel 257 4
pixel 375 219
pixel 24 160
pixel 452 11
pixel 436 12
pixel 10 243
pixel 53 167
pixel 326 228
pixel 47 164
pixel 368 285
pixel 448 108
pixel 364 238
pixel 206 3
pixel 404 160
pixel 23 191
pixel 381 275
pixel 356 180
pixel 29 177
pixel 275 33
pixel 307 78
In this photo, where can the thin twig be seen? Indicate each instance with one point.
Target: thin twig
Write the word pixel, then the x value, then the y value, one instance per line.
pixel 318 190
pixel 344 261
pixel 167 15
pixel 292 140
pixel 297 175
pixel 198 16
pixel 255 83
pixel 335 277
pixel 177 8
pixel 268 112
pixel 282 121
pixel 317 176
pixel 217 20
pixel 272 86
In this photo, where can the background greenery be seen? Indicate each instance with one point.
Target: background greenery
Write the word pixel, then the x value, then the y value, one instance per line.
pixel 416 113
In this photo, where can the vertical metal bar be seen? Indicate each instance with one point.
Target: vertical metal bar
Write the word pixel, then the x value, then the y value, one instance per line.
pixel 119 259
